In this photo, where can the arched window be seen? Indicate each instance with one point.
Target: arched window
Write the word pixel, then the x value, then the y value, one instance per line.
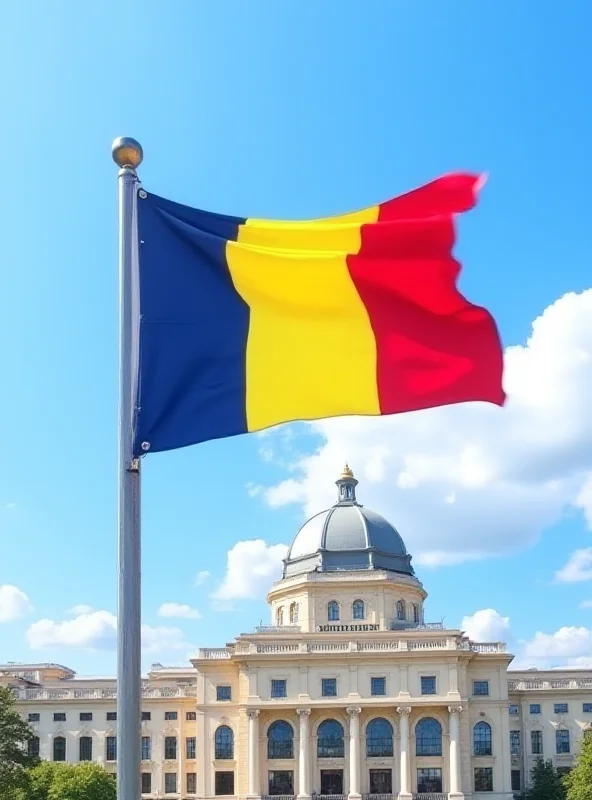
pixel 59 748
pixel 428 737
pixel 280 740
pixel 358 609
pixel 293 613
pixel 379 738
pixel 330 739
pixel 33 747
pixel 333 611
pixel 400 609
pixel 279 616
pixel 85 748
pixel 224 743
pixel 416 616
pixel 482 739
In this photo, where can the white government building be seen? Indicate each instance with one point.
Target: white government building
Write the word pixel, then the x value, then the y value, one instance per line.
pixel 349 692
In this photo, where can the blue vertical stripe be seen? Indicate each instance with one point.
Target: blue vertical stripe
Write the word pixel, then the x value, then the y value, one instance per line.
pixel 193 328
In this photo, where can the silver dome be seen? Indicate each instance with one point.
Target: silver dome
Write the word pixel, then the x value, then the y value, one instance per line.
pixel 347 537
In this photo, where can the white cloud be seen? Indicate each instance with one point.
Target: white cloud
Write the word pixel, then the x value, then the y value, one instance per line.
pixel 14 603
pixel 81 609
pixel 250 569
pixel 97 630
pixel 584 500
pixel 178 611
pixel 585 604
pixel 486 625
pixel 578 567
pixel 491 478
pixel 569 646
pixel 201 577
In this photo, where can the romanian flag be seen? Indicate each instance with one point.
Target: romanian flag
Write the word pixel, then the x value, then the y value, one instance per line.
pixel 246 323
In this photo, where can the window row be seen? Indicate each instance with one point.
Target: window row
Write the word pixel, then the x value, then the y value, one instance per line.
pixel 359 611
pixel 170 783
pixel 85 748
pixel 279 687
pixel 429 781
pixel 331 739
pixel 110 716
pixel 562 742
pixel 558 708
pixel 293 613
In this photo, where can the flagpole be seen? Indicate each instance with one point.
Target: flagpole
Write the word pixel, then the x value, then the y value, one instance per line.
pixel 127 154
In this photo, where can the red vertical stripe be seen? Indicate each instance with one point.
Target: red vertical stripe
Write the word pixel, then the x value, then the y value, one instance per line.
pixel 433 346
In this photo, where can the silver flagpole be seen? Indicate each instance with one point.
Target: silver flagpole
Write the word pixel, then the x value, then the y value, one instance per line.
pixel 127 154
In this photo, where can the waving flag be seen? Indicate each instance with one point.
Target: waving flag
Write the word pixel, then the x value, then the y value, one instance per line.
pixel 246 323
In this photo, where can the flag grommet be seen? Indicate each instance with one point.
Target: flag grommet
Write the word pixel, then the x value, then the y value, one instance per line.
pixel 145 446
pixel 142 194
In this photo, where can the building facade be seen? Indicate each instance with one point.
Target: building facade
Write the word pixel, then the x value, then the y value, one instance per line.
pixel 349 691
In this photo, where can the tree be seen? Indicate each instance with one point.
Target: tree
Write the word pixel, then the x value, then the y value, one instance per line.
pixel 578 782
pixel 15 735
pixel 547 784
pixel 82 782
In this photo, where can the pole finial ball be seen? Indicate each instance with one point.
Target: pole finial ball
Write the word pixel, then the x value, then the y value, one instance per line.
pixel 127 152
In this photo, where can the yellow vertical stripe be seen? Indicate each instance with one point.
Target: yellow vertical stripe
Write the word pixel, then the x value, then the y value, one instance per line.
pixel 311 351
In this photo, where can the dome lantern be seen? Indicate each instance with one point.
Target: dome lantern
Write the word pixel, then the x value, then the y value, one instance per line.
pixel 346 484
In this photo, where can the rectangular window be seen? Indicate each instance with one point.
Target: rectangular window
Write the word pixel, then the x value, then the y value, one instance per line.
pixel 146 783
pixel 281 782
pixel 190 716
pixel 223 693
pixel 483 779
pixel 378 687
pixel 170 783
pixel 562 741
pixel 279 688
pixel 329 687
pixel 85 748
pixel 515 743
pixel 514 710
pixel 33 747
pixel 111 748
pixel 191 783
pixel 587 708
pixel 428 684
pixel 146 748
pixel 59 716
pixel 481 688
pixel 111 716
pixel 224 783
pixel 146 716
pixel 515 777
pixel 429 780
pixel 560 708
pixel 535 708
pixel 33 717
pixel 86 716
pixel 190 747
pixel 170 715
pixel 536 743
pixel 59 748
pixel 170 748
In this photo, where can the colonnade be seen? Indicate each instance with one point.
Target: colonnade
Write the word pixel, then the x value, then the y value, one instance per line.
pixel 304 754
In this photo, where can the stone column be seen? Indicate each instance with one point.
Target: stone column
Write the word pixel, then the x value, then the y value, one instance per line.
pixel 354 752
pixel 303 754
pixel 454 725
pixel 253 788
pixel 404 712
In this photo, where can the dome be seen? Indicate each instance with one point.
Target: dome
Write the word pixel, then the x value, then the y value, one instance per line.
pixel 347 537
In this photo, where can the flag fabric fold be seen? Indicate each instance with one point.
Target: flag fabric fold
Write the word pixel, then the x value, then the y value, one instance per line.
pixel 247 323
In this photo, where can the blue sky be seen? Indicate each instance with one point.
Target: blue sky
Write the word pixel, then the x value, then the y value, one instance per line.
pixel 293 110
